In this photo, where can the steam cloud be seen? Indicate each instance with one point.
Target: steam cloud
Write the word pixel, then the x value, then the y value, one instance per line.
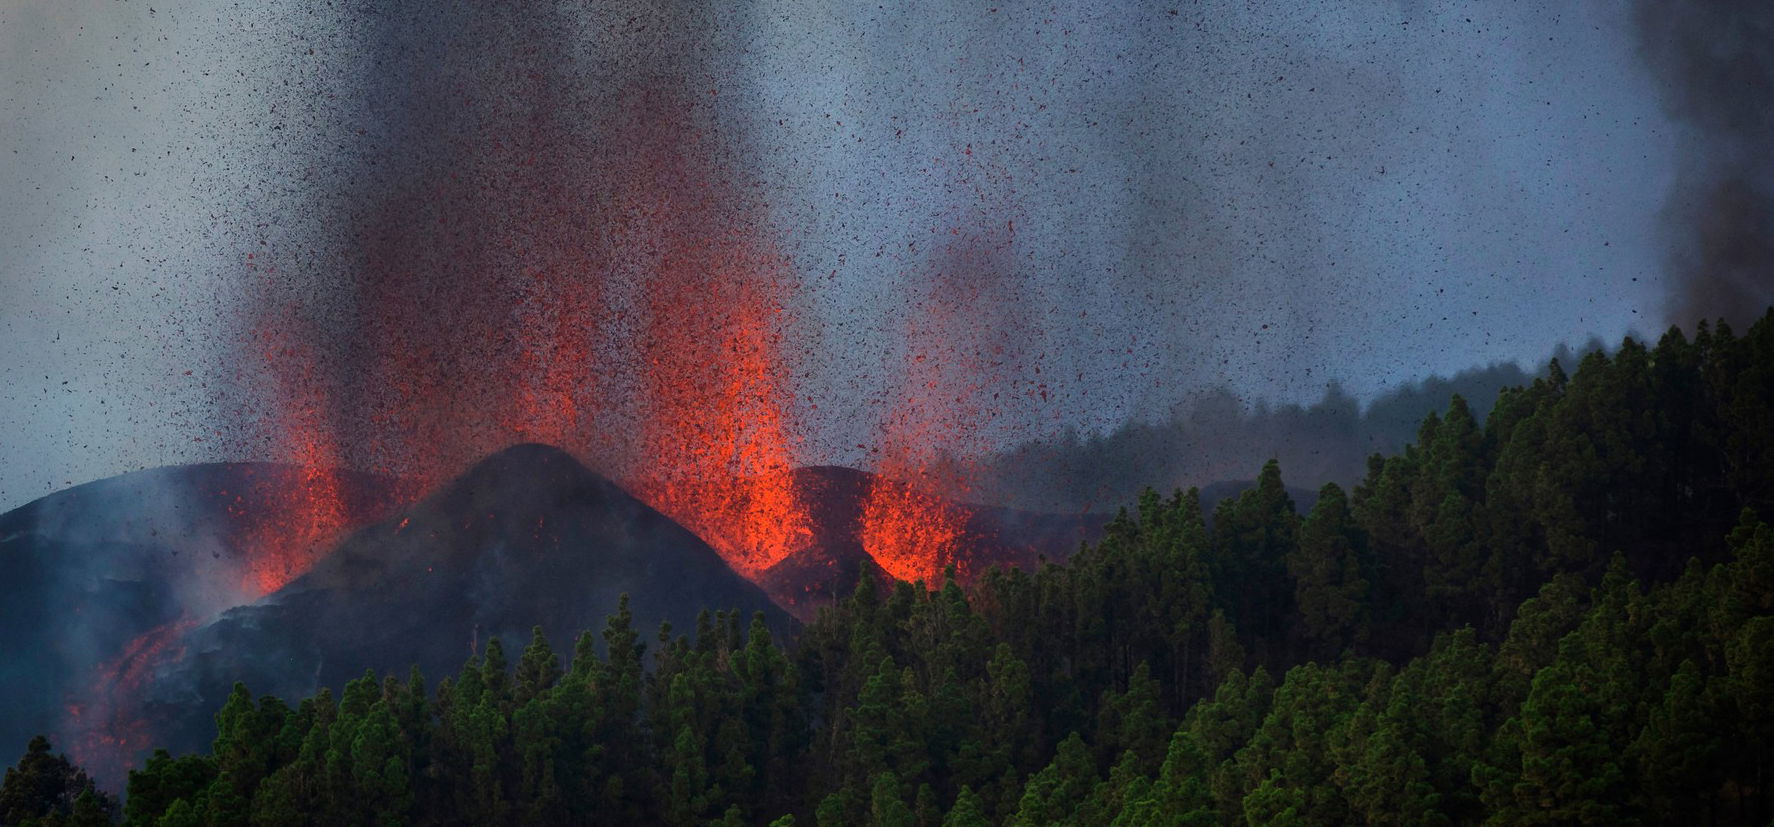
pixel 1714 61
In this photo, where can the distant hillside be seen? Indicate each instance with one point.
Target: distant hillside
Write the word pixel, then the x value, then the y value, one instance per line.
pixel 1219 436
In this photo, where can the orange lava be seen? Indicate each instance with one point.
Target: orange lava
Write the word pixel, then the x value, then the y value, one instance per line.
pixel 106 730
pixel 911 533
pixel 721 419
pixel 716 439
pixel 607 294
pixel 962 374
pixel 909 525
pixel 294 527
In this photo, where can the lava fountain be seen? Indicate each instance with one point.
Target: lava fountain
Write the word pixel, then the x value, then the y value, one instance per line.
pixel 963 372
pixel 554 240
pixel 541 240
pixel 610 296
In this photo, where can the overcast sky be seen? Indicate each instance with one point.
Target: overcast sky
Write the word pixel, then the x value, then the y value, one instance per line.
pixel 1267 196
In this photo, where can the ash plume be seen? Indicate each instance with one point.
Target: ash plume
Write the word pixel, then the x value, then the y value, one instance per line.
pixel 1714 64
pixel 529 228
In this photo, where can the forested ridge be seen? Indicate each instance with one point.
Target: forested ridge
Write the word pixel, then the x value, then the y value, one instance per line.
pixel 1563 614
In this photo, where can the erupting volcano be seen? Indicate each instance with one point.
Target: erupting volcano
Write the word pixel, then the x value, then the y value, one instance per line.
pixel 658 412
pixel 559 251
pixel 585 264
pixel 664 326
pixel 105 721
pixel 110 575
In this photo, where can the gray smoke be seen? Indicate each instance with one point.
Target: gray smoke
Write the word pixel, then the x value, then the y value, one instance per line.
pixel 1265 197
pixel 1217 438
pixel 1714 63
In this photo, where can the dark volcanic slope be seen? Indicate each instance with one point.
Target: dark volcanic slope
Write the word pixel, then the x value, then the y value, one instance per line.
pixel 526 537
pixel 834 559
pixel 93 568
pixel 810 578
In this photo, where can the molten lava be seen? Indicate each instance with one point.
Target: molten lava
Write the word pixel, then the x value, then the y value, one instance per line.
pixel 292 528
pixel 911 533
pixel 716 434
pixel 961 376
pixel 539 255
pixel 720 416
pixel 105 726
pixel 553 288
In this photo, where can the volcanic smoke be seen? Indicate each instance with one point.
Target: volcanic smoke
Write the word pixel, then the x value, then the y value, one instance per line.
pixel 557 250
pixel 1714 63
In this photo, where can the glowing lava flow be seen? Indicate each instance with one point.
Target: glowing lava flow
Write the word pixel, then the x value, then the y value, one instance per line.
pixel 907 525
pixel 719 415
pixel 609 294
pixel 911 534
pixel 106 730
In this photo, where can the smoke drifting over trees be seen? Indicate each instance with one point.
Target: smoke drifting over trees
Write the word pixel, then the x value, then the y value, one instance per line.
pixel 1714 63
pixel 1218 437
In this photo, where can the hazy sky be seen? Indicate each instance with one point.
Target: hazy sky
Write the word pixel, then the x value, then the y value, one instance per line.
pixel 1265 196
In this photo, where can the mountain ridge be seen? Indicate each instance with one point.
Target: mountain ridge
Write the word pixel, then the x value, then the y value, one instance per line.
pixel 526 537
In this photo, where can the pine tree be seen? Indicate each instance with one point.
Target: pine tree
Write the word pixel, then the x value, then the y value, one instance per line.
pixel 1570 772
pixel 887 807
pixel 163 779
pixel 967 812
pixel 1180 796
pixel 1274 803
pixel 1054 795
pixel 1390 783
pixel 1252 537
pixel 379 769
pixel 181 814
pixel 1678 753
pixel 44 785
pixel 1133 721
pixel 1330 584
pixel 537 669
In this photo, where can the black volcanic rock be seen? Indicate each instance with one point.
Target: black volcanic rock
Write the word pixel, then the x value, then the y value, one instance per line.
pixel 93 570
pixel 834 559
pixel 833 562
pixel 527 537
